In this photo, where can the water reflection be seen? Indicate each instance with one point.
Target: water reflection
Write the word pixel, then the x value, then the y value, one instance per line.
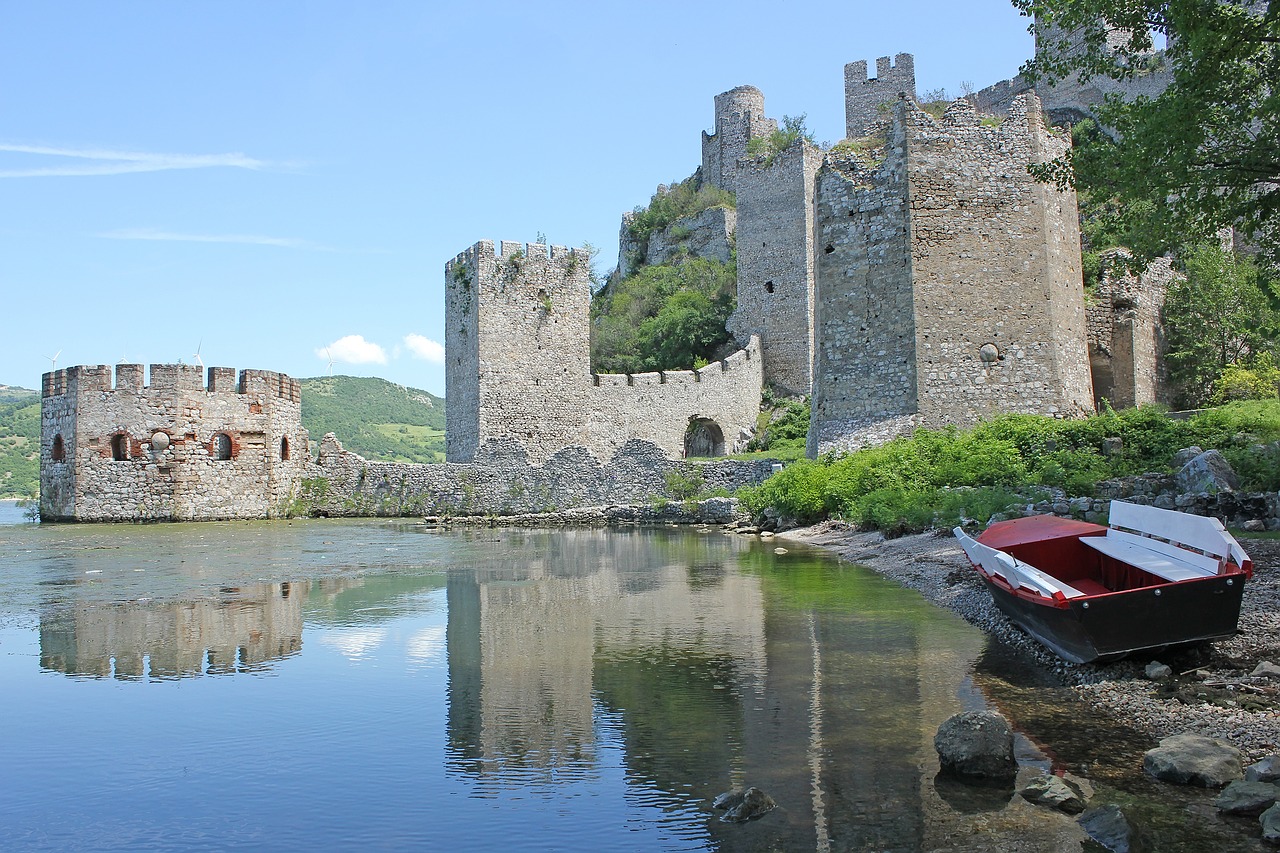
pixel 721 666
pixel 245 629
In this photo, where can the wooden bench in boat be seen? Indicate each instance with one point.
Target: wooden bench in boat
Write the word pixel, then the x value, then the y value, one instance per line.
pixel 1015 572
pixel 1160 542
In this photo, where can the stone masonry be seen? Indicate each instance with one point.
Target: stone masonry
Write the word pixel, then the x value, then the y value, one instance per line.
pixel 867 101
pixel 949 285
pixel 1126 339
pixel 174 450
pixel 518 368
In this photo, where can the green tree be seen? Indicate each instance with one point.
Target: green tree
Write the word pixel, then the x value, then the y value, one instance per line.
pixel 1202 155
pixel 1217 316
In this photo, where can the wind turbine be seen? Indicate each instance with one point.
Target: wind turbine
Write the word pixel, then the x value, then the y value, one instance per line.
pixel 197 354
pixel 330 357
pixel 53 360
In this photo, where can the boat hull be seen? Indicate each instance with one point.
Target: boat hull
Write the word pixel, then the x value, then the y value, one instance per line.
pixel 1101 628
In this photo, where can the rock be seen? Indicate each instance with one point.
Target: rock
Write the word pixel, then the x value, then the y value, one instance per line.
pixel 742 806
pixel 1254 525
pixel 781 551
pixel 1108 826
pixel 1164 501
pixel 1112 446
pixel 1247 798
pixel 976 744
pixel 1208 473
pixel 1157 671
pixel 1185 455
pixel 1266 770
pixel 1191 759
pixel 1049 790
pixel 1270 820
pixel 1266 669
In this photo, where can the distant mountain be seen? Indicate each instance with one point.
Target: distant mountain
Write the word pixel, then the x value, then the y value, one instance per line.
pixel 375 418
pixel 19 442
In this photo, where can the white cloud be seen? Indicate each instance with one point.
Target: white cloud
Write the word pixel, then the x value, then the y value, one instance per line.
pixel 353 349
pixel 425 348
pixel 249 239
pixel 97 161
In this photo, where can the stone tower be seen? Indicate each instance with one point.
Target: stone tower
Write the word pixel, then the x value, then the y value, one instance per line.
pixel 948 281
pixel 739 119
pixel 174 450
pixel 868 101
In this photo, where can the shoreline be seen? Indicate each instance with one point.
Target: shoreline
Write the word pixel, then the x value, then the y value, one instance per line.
pixel 934 565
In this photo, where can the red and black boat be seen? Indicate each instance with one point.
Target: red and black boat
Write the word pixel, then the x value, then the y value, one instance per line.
pixel 1153 578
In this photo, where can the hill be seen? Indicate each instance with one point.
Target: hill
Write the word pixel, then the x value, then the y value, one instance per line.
pixel 375 418
pixel 19 442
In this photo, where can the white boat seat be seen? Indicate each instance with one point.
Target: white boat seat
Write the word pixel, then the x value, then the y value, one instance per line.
pixel 1142 555
pixel 1015 572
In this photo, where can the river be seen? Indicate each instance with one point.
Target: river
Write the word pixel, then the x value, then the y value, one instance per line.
pixel 334 685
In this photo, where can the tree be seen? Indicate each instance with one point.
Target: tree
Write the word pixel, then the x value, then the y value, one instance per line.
pixel 1202 155
pixel 1216 317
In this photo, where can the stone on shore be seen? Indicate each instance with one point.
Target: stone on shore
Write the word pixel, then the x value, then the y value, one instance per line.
pixel 1108 826
pixel 1192 759
pixel 1049 790
pixel 1157 671
pixel 976 744
pixel 1266 669
pixel 1270 820
pixel 1209 473
pixel 1247 798
pixel 1266 770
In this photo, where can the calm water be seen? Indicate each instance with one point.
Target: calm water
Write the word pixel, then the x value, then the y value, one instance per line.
pixel 328 685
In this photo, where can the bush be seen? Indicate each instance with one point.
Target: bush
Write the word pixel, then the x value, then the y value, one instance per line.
pixel 675 202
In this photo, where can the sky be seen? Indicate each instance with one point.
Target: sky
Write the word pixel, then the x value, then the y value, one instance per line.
pixel 274 185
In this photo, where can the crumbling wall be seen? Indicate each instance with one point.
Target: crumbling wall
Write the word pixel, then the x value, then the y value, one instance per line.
pixel 1125 333
pixel 522 369
pixel 156 452
pixel 739 118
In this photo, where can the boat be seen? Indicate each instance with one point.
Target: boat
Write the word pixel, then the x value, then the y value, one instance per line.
pixel 1150 579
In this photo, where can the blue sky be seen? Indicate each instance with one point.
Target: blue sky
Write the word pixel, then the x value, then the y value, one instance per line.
pixel 261 181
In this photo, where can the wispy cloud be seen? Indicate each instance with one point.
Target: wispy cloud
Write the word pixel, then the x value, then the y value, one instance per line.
pixel 250 239
pixel 353 349
pixel 424 348
pixel 100 161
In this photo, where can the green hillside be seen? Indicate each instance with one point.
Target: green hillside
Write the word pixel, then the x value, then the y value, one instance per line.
pixel 375 418
pixel 19 442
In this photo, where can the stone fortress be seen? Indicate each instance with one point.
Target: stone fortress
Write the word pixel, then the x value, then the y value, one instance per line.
pixel 177 449
pixel 913 275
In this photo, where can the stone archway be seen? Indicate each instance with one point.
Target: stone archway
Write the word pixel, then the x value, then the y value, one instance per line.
pixel 703 437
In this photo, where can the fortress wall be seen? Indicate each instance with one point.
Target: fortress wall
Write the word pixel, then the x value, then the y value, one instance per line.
pixel 775 263
pixel 867 101
pixel 167 437
pixel 504 480
pixel 864 389
pixel 523 373
pixel 1125 333
pixel 997 298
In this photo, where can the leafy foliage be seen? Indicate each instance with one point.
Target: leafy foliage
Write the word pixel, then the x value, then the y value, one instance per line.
pixel 675 202
pixel 1206 152
pixel 375 418
pixel 770 145
pixel 1217 316
pixel 19 442
pixel 669 317
pixel 935 478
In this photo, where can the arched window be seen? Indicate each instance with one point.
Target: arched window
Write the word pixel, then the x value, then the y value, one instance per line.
pixel 222 447
pixel 284 448
pixel 120 447
pixel 59 451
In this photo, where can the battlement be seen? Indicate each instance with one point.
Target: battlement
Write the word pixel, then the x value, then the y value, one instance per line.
pixel 864 96
pixel 740 358
pixel 739 118
pixel 168 378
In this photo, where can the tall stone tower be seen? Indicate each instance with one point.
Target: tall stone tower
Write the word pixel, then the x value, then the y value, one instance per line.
pixel 869 101
pixel 739 119
pixel 948 281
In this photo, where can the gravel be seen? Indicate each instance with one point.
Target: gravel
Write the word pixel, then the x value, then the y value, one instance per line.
pixel 1212 691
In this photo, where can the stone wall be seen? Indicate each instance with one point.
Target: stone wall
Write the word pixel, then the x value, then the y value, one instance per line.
pixel 775 262
pixel 503 480
pixel 739 119
pixel 518 367
pixel 949 281
pixel 150 453
pixel 867 101
pixel 1126 335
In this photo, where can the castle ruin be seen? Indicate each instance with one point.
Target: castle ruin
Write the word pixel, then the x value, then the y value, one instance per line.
pixel 177 449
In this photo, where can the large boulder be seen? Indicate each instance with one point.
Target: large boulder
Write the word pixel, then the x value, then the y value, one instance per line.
pixel 1247 798
pixel 1270 820
pixel 1054 792
pixel 1108 826
pixel 1266 770
pixel 976 744
pixel 1208 473
pixel 1192 759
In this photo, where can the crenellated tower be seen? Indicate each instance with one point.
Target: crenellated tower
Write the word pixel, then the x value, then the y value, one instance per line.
pixel 868 101
pixel 739 119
